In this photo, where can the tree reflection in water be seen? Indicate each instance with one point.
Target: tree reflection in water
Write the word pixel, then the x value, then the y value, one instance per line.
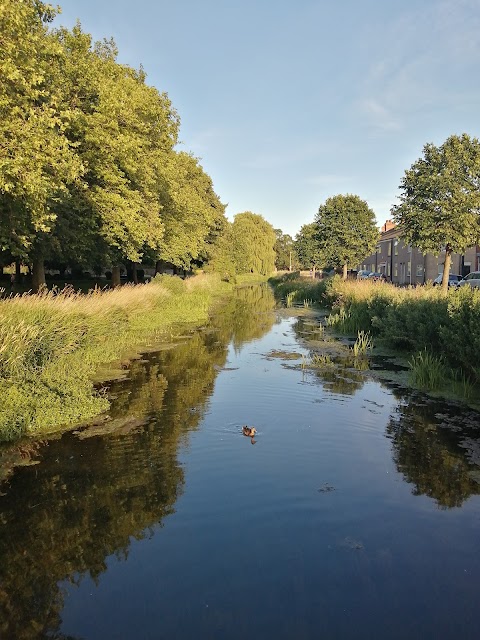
pixel 429 456
pixel 87 498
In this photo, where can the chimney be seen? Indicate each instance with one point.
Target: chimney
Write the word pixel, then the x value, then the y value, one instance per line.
pixel 389 224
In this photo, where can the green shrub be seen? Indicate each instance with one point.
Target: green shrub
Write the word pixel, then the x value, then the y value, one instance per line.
pixel 460 336
pixel 415 323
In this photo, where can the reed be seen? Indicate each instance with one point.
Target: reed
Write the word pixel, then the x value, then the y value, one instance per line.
pixel 363 344
pixel 321 360
pixel 427 370
pixel 289 299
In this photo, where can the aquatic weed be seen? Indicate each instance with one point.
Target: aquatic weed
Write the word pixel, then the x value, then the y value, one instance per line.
pixel 363 344
pixel 289 299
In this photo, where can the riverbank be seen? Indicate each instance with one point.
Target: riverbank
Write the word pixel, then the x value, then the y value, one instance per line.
pixel 441 333
pixel 53 344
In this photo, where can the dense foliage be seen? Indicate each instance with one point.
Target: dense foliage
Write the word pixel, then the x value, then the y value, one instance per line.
pixel 89 173
pixel 307 247
pixel 346 231
pixel 440 201
pixel 247 245
pixel 285 254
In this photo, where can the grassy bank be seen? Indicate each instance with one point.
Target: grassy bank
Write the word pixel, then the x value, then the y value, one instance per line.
pixel 445 329
pixel 52 344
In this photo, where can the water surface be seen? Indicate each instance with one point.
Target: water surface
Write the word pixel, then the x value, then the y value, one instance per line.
pixel 354 514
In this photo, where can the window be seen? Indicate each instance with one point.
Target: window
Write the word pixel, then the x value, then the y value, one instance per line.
pixel 409 248
pixel 389 248
pixel 395 244
pixel 388 268
pixel 409 269
pixel 395 269
pixel 419 270
pixel 379 248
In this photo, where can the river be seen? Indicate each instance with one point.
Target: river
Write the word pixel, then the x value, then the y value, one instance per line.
pixel 353 513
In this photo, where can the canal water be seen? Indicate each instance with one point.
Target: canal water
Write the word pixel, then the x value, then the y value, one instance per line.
pixel 353 513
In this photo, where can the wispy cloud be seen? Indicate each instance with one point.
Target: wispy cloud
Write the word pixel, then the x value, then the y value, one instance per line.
pixel 427 56
pixel 326 180
pixel 379 116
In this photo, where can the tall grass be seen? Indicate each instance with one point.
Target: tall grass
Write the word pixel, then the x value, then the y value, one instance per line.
pixel 363 344
pixel 51 344
pixel 427 370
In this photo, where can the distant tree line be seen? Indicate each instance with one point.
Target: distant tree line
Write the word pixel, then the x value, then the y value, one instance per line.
pixel 89 172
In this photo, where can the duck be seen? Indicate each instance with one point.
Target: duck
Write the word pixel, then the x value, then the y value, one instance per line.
pixel 249 431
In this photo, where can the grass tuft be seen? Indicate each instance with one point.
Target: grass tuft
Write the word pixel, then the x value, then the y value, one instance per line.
pixel 427 370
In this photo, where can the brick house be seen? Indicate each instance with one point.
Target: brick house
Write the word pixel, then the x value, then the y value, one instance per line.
pixel 404 264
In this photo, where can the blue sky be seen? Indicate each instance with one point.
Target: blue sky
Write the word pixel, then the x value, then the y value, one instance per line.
pixel 288 103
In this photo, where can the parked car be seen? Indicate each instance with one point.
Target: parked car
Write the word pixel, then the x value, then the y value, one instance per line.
pixel 471 279
pixel 453 280
pixel 377 277
pixel 363 274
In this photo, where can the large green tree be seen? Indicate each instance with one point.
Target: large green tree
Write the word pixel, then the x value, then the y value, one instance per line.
pixel 191 211
pixel 308 248
pixel 37 161
pixel 125 132
pixel 285 256
pixel 89 173
pixel 253 244
pixel 440 201
pixel 346 230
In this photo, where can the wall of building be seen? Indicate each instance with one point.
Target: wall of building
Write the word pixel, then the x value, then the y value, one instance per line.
pixel 403 264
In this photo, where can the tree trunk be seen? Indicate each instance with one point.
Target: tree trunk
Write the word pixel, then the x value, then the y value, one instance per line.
pixel 446 268
pixel 38 273
pixel 115 277
pixel 18 271
pixel 345 271
pixel 134 273
pixel 313 272
pixel 158 266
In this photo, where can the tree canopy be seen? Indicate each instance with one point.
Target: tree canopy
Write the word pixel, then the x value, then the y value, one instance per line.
pixel 89 172
pixel 246 245
pixel 37 161
pixel 346 230
pixel 308 247
pixel 440 199
pixel 285 255
pixel 254 241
